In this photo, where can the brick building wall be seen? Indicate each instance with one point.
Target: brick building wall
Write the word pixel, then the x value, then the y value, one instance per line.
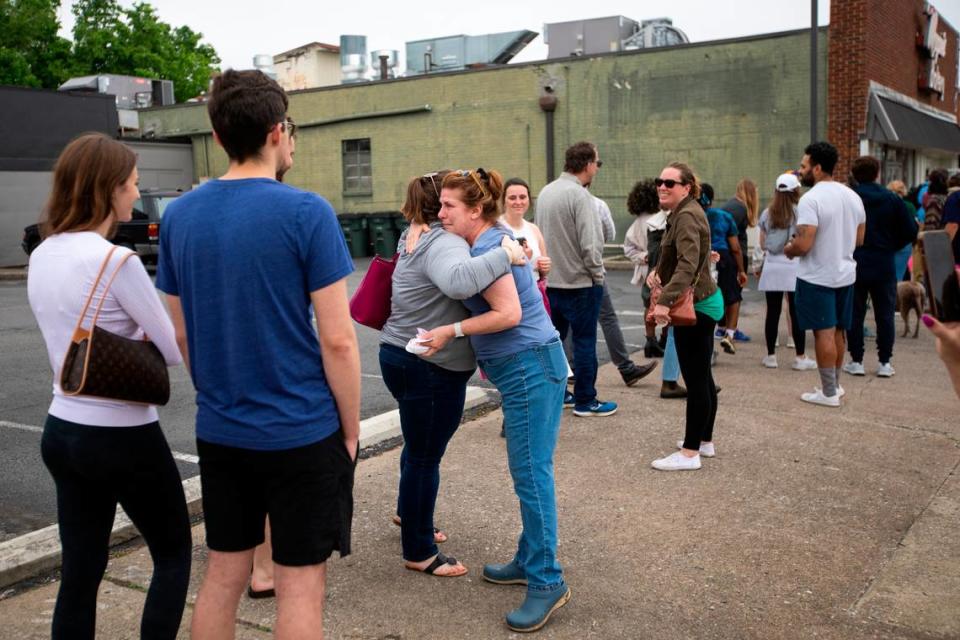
pixel 877 40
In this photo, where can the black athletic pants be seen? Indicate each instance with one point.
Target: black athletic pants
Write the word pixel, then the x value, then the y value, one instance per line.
pixel 694 350
pixel 94 469
pixel 772 324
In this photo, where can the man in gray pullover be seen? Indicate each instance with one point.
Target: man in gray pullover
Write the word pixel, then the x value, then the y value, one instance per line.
pixel 567 217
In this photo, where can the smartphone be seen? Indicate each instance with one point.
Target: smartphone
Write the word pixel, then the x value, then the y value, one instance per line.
pixel 940 276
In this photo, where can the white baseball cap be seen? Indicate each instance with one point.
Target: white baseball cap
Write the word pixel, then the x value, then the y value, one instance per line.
pixel 788 182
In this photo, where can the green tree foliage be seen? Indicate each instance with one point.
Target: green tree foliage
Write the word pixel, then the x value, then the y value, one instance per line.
pixel 106 39
pixel 31 52
pixel 109 39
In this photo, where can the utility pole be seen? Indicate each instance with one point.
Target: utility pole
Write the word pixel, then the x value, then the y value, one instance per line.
pixel 813 70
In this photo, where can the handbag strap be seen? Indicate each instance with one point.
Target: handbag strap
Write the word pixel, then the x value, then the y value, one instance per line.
pixel 93 290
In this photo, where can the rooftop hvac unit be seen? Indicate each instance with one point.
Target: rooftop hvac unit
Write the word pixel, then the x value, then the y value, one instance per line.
pixel 658 32
pixel 603 35
pixel 130 92
pixel 353 59
pixel 264 62
pixel 384 62
pixel 451 53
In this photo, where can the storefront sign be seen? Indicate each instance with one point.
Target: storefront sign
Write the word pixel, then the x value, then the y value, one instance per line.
pixel 935 46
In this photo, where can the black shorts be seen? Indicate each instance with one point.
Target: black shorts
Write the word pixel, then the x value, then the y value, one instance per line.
pixel 727 278
pixel 307 492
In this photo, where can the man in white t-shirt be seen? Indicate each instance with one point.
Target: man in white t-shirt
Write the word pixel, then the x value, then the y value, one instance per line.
pixel 830 225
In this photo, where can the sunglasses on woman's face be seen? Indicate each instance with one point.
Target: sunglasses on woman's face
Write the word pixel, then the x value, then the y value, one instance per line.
pixel 669 184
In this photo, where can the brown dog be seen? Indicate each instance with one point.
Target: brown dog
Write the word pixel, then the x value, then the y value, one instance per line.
pixel 910 297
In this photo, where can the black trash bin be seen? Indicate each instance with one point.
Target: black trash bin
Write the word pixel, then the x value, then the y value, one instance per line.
pixel 354 228
pixel 383 233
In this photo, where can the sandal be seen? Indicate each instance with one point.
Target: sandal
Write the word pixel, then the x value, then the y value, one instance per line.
pixel 438 562
pixel 258 595
pixel 439 537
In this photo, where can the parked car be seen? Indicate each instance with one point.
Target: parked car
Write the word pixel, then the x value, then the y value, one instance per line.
pixel 142 233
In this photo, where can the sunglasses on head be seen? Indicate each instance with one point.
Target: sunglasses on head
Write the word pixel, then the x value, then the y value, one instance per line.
pixel 669 184
pixel 432 177
pixel 478 176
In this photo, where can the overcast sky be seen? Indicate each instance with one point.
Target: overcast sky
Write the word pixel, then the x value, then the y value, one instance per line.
pixel 238 29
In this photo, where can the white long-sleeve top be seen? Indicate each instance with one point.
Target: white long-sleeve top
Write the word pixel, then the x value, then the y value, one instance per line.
pixel 61 274
pixel 635 248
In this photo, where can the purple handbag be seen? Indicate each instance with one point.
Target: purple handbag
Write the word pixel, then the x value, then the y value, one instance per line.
pixel 370 304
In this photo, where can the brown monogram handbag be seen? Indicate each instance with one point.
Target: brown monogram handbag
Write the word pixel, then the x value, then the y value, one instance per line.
pixel 102 364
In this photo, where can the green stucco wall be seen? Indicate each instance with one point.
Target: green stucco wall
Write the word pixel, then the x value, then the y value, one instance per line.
pixel 730 109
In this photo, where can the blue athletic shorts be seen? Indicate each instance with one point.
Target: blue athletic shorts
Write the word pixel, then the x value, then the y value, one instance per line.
pixel 821 307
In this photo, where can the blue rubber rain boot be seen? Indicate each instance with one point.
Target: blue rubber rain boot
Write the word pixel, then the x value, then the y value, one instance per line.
pixel 537 608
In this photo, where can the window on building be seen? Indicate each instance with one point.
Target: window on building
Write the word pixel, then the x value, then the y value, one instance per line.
pixel 357 171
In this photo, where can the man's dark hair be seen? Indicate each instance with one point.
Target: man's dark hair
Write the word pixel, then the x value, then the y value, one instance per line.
pixel 937 179
pixel 643 198
pixel 865 169
pixel 579 156
pixel 823 154
pixel 954 181
pixel 243 106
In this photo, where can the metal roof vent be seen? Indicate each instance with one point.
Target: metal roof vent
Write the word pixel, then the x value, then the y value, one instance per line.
pixel 264 62
pixel 353 59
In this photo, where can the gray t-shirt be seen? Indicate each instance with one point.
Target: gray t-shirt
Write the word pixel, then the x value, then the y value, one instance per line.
pixel 776 239
pixel 428 286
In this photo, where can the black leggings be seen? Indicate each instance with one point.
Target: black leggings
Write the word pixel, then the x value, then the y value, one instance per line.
pixel 772 324
pixel 94 469
pixel 694 351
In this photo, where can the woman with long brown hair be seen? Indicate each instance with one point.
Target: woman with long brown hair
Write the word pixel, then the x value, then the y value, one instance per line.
pixel 778 223
pixel 102 452
pixel 745 209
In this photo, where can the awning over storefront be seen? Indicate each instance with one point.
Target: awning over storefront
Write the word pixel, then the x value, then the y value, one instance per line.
pixel 897 123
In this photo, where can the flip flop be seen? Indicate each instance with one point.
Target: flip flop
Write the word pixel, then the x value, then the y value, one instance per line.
pixel 439 537
pixel 259 595
pixel 438 562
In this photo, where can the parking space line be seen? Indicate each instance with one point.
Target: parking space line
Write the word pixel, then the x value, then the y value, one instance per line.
pixel 22 427
pixel 184 457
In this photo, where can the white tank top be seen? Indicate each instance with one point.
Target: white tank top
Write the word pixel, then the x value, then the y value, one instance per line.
pixel 526 232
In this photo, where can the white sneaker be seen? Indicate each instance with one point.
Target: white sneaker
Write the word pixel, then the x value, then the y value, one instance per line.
pixel 817 397
pixel 840 391
pixel 803 363
pixel 790 344
pixel 854 368
pixel 885 370
pixel 777 343
pixel 707 449
pixel 770 362
pixel 677 462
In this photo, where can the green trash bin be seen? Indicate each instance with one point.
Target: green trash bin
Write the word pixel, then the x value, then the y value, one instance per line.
pixel 354 228
pixel 383 233
pixel 400 223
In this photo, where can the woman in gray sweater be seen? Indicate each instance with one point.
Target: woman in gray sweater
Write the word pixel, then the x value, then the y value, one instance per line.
pixel 434 273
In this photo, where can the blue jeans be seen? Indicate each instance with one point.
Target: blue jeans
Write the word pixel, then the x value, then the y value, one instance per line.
pixel 431 404
pixel 671 366
pixel 532 384
pixel 578 311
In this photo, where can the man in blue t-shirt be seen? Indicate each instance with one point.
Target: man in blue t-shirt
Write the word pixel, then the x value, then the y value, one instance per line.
pixel 243 259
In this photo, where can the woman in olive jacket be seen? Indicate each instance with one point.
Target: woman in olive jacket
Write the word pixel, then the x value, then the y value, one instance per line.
pixel 685 262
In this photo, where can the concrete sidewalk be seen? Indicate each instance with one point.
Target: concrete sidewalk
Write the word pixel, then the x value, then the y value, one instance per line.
pixel 810 522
